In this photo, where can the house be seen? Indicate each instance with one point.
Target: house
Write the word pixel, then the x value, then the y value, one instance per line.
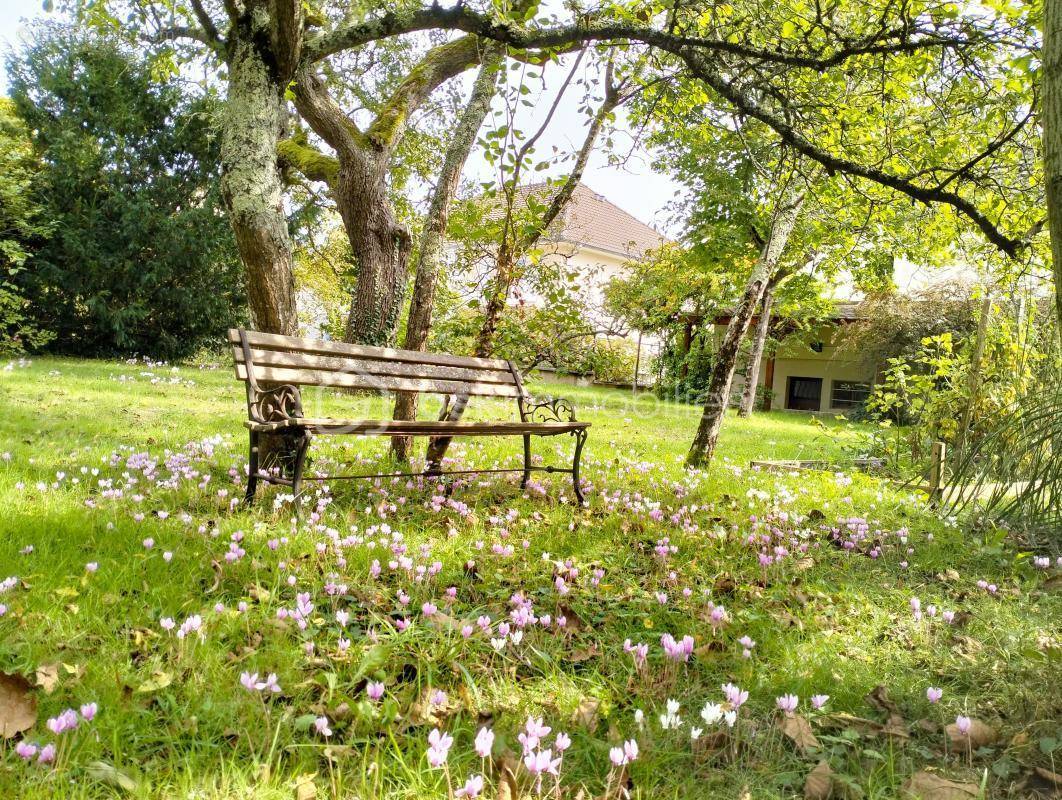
pixel 810 371
pixel 595 239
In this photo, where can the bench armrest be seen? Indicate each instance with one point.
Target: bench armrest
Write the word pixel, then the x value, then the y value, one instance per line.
pixel 548 409
pixel 274 403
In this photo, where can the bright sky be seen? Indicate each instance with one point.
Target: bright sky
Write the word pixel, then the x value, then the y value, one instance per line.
pixel 633 186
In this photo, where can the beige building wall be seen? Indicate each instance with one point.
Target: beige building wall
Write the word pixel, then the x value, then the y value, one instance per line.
pixel 796 358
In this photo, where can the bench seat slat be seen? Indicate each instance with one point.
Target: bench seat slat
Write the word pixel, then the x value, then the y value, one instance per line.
pixel 348 380
pixel 272 341
pixel 420 427
pixel 365 366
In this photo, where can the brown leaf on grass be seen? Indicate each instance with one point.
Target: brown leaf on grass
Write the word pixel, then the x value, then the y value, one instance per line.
pixel 305 788
pixel 580 654
pixel 979 735
pixel 1049 776
pixel 159 679
pixel 710 743
pixel 586 714
pixel 18 706
pixel 895 725
pixel 866 727
pixel 112 776
pixel 724 586
pixel 505 766
pixel 879 698
pixel 927 786
pixel 819 783
pixel 799 731
pixel 1052 584
pixel 47 677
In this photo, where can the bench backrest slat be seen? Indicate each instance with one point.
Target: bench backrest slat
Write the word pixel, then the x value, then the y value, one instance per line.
pixel 311 362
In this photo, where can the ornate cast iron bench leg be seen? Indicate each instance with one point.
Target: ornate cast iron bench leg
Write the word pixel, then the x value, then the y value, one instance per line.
pixel 252 470
pixel 298 464
pixel 580 440
pixel 527 461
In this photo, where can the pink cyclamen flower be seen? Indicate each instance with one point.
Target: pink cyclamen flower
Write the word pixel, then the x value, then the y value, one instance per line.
pixel 91 566
pixel 484 742
pixel 88 711
pixel 787 703
pixel 439 747
pixel 47 754
pixel 321 725
pixel 429 609
pixel 630 750
pixel 541 762
pixel 734 695
pixel 437 698
pixel 375 690
pixel 26 750
pixel 933 694
pixel 248 680
pixel 963 724
pixel 66 721
pixel 819 700
pixel 472 788
pixel 269 684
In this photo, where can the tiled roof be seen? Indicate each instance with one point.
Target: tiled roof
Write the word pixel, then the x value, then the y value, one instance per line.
pixel 590 220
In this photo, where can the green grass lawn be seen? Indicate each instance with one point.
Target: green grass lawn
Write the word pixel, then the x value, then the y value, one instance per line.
pixel 119 490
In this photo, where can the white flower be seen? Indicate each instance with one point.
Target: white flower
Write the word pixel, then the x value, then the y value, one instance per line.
pixel 711 713
pixel 673 706
pixel 730 717
pixel 695 734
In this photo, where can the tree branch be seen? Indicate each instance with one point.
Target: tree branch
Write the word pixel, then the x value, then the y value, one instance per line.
pixel 207 24
pixel 747 104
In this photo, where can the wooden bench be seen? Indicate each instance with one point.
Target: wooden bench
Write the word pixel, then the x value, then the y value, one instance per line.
pixel 275 367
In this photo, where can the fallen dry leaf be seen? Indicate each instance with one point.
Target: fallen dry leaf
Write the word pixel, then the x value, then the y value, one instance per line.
pixel 47 677
pixel 305 788
pixel 979 735
pixel 18 706
pixel 819 783
pixel 158 680
pixel 927 786
pixel 110 775
pixel 799 731
pixel 586 714
pixel 1049 776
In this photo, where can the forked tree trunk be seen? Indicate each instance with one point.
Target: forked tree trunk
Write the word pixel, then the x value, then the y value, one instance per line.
pixel 722 376
pixel 251 185
pixel 433 236
pixel 510 250
pixel 1051 120
pixel 752 375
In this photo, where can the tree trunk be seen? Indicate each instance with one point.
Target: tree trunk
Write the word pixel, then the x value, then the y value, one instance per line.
pixel 752 375
pixel 715 403
pixel 973 377
pixel 1051 120
pixel 381 247
pixel 512 248
pixel 433 236
pixel 254 116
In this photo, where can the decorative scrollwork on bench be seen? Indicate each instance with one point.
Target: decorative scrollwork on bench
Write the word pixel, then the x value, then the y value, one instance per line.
pixel 549 409
pixel 275 404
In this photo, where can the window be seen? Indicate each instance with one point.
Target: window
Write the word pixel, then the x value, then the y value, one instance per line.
pixel 848 394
